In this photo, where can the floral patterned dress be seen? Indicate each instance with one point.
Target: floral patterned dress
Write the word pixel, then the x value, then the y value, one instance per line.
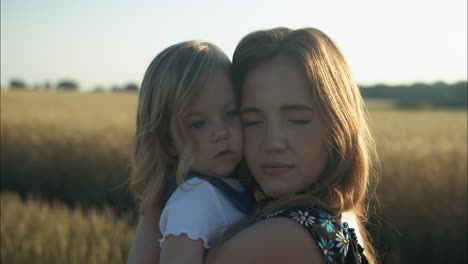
pixel 337 242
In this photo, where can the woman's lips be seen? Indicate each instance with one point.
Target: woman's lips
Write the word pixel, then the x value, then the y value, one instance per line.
pixel 223 154
pixel 276 169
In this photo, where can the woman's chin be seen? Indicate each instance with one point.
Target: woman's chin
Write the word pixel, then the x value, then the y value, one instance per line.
pixel 273 193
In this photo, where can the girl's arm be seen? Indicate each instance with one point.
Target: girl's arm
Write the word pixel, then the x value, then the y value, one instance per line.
pixel 181 249
pixel 145 247
pixel 275 240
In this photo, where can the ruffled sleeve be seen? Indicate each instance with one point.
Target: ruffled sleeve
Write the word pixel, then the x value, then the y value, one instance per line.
pixel 193 209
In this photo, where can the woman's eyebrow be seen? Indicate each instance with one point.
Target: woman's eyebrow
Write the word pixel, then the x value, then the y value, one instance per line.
pixel 246 110
pixel 286 108
pixel 296 107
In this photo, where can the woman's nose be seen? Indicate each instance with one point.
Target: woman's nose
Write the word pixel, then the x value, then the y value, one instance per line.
pixel 274 140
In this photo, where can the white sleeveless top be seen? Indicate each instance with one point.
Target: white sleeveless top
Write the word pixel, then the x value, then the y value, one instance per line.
pixel 199 210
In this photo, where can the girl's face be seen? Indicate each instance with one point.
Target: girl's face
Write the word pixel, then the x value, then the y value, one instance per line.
pixel 215 127
pixel 286 146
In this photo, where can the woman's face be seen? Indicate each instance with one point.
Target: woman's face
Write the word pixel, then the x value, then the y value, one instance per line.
pixel 285 146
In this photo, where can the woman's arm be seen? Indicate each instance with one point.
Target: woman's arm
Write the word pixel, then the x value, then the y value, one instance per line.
pixel 275 240
pixel 145 247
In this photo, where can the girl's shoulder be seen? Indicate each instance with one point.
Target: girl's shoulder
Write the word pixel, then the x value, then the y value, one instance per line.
pixel 336 241
pixel 195 194
pixel 233 193
pixel 194 188
pixel 199 210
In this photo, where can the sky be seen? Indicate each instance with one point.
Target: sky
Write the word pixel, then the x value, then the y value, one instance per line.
pixel 111 42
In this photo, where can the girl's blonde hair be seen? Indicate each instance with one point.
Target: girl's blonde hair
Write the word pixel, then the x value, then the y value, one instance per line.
pixel 170 83
pixel 345 182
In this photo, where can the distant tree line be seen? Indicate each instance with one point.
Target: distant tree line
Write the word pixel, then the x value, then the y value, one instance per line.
pixel 69 85
pixel 438 94
pixel 65 85
pixel 129 87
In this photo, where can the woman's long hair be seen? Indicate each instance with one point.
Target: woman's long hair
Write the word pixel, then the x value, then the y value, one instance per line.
pixel 352 166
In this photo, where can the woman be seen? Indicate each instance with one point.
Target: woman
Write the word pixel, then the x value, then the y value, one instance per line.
pixel 308 148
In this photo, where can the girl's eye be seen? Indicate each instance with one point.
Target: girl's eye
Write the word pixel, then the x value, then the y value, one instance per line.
pixel 300 121
pixel 198 124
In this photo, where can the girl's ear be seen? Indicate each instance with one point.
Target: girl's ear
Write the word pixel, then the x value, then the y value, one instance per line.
pixel 172 151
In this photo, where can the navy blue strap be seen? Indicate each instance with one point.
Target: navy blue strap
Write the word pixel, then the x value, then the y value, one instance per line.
pixel 244 201
pixel 357 249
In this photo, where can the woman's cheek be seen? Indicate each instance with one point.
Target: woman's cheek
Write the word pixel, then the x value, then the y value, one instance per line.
pixel 250 143
pixel 237 130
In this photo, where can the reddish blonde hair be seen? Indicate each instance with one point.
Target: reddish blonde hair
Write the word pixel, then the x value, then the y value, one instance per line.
pixel 345 183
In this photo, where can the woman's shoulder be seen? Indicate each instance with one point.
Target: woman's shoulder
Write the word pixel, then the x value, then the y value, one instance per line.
pixel 297 234
pixel 335 239
pixel 323 226
pixel 311 217
pixel 273 240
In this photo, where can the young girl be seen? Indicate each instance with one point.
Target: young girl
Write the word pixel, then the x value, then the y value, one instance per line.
pixel 188 133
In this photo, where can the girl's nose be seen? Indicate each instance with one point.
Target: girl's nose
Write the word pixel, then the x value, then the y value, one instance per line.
pixel 220 134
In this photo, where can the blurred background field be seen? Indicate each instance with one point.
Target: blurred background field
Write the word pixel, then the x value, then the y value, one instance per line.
pixel 37 232
pixel 65 163
pixel 69 75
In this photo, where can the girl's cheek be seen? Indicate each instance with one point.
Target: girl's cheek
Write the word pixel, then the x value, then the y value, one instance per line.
pixel 197 140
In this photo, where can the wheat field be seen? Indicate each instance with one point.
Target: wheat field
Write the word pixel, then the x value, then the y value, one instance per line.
pixel 64 166
pixel 38 232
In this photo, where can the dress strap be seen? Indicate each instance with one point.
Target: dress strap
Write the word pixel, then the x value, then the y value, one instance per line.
pixel 358 256
pixel 243 200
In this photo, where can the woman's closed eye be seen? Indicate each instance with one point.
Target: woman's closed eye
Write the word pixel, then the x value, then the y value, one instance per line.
pixel 198 124
pixel 299 121
pixel 250 123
